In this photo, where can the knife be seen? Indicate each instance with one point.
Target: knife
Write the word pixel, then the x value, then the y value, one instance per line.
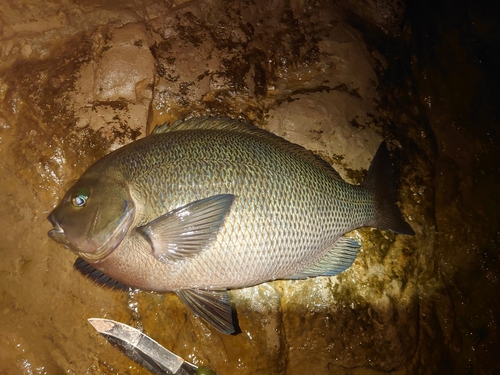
pixel 145 351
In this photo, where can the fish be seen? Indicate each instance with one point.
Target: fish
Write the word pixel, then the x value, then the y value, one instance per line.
pixel 205 205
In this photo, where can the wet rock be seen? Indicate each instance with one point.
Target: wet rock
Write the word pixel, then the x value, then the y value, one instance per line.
pixel 77 81
pixel 113 92
pixel 384 15
pixel 124 71
pixel 290 72
pixel 329 117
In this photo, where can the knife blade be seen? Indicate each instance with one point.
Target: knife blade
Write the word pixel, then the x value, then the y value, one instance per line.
pixel 144 350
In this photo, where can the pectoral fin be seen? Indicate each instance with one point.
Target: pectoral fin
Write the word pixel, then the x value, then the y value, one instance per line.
pixel 187 230
pixel 336 260
pixel 210 305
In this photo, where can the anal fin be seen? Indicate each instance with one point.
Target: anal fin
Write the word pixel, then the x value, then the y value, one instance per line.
pixel 339 258
pixel 210 305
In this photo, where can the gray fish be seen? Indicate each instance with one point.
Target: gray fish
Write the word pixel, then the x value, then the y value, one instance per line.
pixel 208 204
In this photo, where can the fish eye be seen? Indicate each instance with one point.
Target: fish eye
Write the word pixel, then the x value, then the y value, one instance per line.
pixel 80 199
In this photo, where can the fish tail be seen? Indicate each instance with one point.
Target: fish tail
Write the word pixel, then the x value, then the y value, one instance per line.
pixel 381 181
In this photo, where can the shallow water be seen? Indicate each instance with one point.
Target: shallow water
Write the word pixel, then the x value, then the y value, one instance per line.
pixel 325 76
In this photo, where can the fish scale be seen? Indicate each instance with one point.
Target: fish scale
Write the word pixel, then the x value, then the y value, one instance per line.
pixel 205 205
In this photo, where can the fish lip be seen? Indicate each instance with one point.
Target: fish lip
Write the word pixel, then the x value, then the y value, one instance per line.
pixel 57 233
pixel 57 228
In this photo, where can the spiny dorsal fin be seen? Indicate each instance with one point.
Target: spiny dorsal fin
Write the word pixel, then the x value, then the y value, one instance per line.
pixel 206 123
pixel 227 124
pixel 97 276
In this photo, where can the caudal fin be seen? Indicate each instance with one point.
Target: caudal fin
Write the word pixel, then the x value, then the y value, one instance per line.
pixel 380 179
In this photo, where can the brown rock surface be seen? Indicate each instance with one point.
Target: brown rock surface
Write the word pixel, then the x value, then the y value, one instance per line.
pixel 79 79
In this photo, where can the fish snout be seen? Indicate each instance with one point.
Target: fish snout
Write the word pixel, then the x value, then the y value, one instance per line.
pixel 57 233
pixel 76 244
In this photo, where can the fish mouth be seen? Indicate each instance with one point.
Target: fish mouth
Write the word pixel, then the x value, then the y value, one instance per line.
pixel 57 233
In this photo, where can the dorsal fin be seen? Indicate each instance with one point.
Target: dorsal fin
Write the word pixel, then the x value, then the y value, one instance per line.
pixel 215 123
pixel 227 124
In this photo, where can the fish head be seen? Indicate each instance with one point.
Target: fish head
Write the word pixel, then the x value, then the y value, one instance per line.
pixel 94 216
